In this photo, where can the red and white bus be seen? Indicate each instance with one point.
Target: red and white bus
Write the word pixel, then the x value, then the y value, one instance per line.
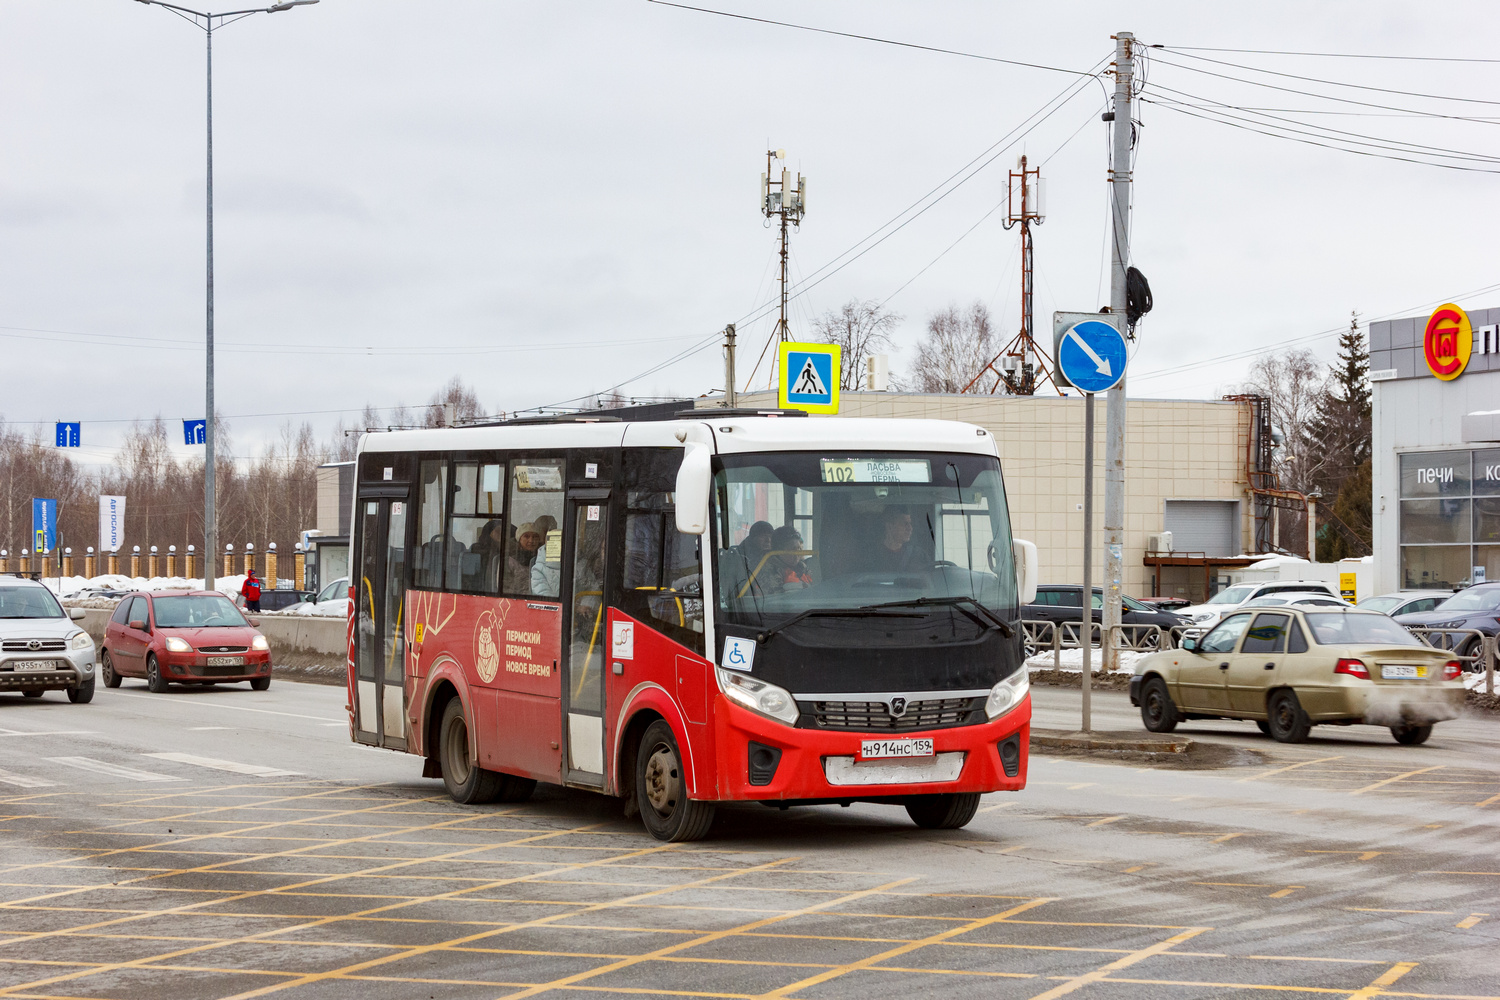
pixel 727 606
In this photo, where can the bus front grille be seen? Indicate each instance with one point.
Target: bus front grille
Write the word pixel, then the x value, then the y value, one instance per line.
pixel 875 716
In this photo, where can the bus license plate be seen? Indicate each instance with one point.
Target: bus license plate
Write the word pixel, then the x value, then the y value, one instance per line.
pixel 33 665
pixel 874 749
pixel 1402 672
pixel 225 661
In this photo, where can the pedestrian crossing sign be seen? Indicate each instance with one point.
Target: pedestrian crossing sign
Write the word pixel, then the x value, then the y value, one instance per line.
pixel 808 377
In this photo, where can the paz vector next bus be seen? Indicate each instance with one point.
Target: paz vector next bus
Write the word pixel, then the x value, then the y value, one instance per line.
pixel 727 606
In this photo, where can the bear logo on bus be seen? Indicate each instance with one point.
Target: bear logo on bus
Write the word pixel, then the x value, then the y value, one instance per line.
pixel 487 646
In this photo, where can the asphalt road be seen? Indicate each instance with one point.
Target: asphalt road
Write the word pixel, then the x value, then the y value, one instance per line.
pixel 229 843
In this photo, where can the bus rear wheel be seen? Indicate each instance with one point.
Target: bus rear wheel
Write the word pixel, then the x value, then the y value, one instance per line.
pixel 661 792
pixel 466 782
pixel 948 811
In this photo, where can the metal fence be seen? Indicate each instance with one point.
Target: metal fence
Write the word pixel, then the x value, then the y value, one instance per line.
pixel 1469 646
pixel 1040 636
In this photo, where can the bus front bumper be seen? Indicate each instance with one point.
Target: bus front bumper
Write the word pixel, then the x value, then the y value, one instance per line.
pixel 825 765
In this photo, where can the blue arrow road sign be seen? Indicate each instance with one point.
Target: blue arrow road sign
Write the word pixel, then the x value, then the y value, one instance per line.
pixel 192 431
pixel 69 435
pixel 1091 355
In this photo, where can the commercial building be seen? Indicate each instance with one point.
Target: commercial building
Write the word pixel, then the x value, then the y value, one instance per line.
pixel 1435 384
pixel 1185 474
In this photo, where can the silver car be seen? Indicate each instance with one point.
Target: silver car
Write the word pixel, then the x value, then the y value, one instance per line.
pixel 41 647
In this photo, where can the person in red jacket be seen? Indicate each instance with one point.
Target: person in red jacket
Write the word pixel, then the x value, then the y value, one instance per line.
pixel 250 591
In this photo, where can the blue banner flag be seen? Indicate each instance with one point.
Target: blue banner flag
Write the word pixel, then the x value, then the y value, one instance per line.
pixel 44 524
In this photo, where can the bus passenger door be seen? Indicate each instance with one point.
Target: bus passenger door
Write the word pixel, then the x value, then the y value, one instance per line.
pixel 585 638
pixel 379 615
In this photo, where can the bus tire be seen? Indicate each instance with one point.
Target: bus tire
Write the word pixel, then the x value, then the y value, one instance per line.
pixel 466 783
pixel 514 788
pixel 947 811
pixel 661 792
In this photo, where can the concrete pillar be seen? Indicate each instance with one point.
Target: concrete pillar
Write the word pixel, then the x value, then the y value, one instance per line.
pixel 67 565
pixel 135 561
pixel 89 563
pixel 5 561
pixel 249 557
pixel 171 560
pixel 229 559
pixel 114 562
pixel 299 567
pixel 151 563
pixel 188 567
pixel 270 581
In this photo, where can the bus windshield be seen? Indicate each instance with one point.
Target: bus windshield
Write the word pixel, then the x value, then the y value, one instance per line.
pixel 829 531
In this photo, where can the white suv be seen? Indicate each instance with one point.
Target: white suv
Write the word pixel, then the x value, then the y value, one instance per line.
pixel 1206 616
pixel 41 648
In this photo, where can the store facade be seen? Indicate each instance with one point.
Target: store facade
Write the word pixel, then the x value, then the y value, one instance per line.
pixel 1435 384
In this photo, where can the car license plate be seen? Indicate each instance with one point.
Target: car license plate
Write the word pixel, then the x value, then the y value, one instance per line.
pixel 1402 672
pixel 33 664
pixel 225 661
pixel 874 749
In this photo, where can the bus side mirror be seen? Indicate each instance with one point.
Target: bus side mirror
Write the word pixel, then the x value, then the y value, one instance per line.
pixel 1024 553
pixel 693 483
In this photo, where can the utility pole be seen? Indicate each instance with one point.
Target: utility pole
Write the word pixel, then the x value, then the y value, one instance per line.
pixel 786 201
pixel 1114 415
pixel 729 395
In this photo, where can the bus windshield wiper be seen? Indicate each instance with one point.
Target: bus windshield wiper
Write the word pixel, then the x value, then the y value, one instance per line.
pixel 875 611
pixel 976 610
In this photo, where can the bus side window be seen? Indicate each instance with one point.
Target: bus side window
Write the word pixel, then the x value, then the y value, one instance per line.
pixel 662 581
pixel 432 491
pixel 476 531
pixel 536 514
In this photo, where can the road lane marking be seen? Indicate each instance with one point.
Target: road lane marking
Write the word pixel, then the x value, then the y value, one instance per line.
pixel 232 708
pixel 1386 978
pixel 205 729
pixel 1078 982
pixel 998 805
pixel 113 770
pixel 1368 909
pixel 1363 855
pixel 1291 767
pixel 48 732
pixel 1399 777
pixel 1105 821
pixel 24 781
pixel 1489 801
pixel 1284 893
pixel 1470 921
pixel 259 770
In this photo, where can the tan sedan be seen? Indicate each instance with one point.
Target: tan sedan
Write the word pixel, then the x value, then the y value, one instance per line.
pixel 1289 669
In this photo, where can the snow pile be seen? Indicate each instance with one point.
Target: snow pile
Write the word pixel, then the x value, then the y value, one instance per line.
pixel 1475 682
pixel 1072 661
pixel 336 608
pixel 82 586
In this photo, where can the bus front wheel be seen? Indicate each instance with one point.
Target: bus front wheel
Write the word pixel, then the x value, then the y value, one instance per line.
pixel 661 792
pixel 466 782
pixel 943 812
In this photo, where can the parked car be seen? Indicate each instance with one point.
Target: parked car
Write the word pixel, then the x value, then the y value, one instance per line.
pixel 1064 604
pixel 281 600
pixel 41 649
pixel 1307 599
pixel 332 601
pixel 183 637
pixel 1289 669
pixel 1476 608
pixel 1167 603
pixel 1205 616
pixel 1406 602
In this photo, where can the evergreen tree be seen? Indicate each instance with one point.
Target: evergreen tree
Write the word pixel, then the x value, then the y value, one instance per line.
pixel 1341 430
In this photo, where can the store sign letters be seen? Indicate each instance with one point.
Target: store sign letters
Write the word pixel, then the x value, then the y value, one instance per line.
pixel 1435 475
pixel 1450 341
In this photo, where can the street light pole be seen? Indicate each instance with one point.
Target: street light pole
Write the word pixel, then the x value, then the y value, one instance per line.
pixel 206 23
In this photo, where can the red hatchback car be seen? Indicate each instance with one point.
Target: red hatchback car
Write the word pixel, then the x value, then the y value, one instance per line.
pixel 183 637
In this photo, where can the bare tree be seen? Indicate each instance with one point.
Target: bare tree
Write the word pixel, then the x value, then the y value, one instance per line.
pixel 957 346
pixel 456 397
pixel 860 329
pixel 1295 382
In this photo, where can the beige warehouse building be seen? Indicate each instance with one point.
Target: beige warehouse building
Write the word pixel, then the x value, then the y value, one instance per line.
pixel 1185 473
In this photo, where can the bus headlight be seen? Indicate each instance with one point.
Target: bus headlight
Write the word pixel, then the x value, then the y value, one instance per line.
pixel 758 696
pixel 1007 694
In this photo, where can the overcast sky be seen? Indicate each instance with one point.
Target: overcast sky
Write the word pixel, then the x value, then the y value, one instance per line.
pixel 549 197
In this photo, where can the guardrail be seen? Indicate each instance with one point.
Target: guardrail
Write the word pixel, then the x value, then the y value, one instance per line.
pixel 1041 635
pixel 1482 655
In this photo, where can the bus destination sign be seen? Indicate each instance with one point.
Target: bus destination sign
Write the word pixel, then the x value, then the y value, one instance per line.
pixel 870 470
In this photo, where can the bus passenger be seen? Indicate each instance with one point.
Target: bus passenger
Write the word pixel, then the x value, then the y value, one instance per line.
pixel 520 556
pixel 490 548
pixel 785 569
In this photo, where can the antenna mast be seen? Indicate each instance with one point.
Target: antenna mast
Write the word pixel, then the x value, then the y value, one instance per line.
pixel 786 201
pixel 1022 366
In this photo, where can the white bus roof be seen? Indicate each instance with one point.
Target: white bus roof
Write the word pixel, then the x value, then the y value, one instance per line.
pixel 731 434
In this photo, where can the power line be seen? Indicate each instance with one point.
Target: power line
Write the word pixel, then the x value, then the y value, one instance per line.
pixel 1323 55
pixel 1340 83
pixel 870 38
pixel 1322 97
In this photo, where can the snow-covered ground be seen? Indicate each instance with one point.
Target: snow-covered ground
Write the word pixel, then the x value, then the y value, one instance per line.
pixel 1072 661
pixel 82 591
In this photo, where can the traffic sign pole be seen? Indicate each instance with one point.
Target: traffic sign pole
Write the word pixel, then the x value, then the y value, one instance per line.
pixel 1086 639
pixel 1114 414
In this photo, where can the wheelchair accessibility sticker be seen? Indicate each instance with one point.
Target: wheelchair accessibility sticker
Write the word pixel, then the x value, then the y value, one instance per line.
pixel 739 653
